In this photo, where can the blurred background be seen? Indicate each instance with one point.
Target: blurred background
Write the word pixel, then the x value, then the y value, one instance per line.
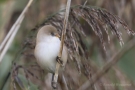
pixel 121 73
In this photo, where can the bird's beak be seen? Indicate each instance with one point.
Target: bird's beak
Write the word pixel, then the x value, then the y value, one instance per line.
pixel 57 35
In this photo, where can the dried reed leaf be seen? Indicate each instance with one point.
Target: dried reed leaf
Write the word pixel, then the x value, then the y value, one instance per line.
pixel 97 18
pixel 12 32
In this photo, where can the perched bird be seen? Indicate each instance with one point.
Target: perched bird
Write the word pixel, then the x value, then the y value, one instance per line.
pixel 48 47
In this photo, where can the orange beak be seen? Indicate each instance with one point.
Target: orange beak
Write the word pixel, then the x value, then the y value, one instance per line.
pixel 57 35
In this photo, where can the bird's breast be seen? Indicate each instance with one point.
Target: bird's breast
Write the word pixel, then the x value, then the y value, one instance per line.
pixel 46 53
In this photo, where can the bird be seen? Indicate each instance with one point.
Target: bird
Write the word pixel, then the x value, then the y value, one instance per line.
pixel 47 49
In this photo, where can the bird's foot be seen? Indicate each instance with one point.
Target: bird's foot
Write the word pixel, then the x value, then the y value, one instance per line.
pixel 54 85
pixel 58 59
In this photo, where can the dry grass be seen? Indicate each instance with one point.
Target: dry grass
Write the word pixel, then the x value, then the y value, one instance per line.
pixel 98 19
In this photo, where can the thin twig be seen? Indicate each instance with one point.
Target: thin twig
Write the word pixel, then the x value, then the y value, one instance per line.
pixel 109 64
pixel 64 81
pixel 12 32
pixel 85 2
pixel 62 38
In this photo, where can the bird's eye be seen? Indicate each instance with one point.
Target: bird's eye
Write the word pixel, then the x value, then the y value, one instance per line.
pixel 52 33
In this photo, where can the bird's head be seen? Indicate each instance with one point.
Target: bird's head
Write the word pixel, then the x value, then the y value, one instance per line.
pixel 47 31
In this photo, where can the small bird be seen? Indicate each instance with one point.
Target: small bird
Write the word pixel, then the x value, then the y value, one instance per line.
pixel 47 49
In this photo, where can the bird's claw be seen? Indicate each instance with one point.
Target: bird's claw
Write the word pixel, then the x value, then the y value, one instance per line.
pixel 58 59
pixel 54 85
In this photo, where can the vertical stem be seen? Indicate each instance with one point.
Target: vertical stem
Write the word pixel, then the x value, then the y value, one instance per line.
pixel 62 38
